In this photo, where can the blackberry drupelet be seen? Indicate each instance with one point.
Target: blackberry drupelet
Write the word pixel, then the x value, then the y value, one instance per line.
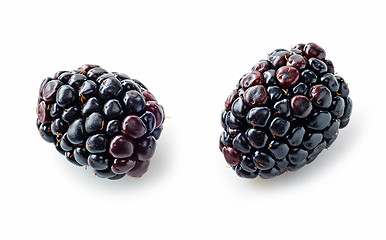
pixel 284 112
pixel 107 121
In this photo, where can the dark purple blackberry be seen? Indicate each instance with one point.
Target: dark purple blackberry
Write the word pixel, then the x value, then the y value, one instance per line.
pixel 284 112
pixel 99 119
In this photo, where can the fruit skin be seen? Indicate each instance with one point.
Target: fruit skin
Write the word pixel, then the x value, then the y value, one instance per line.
pixel 133 126
pixel 287 76
pixel 103 120
pixel 121 166
pixel 284 113
pixel 256 96
pixel 121 146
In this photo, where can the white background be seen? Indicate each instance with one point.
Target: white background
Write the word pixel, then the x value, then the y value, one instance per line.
pixel 190 54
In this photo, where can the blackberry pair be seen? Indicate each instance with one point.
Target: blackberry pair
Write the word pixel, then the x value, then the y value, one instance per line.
pixel 281 116
pixel 101 119
pixel 284 112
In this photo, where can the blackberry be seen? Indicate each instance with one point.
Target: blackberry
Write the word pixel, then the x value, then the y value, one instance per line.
pixel 284 112
pixel 107 121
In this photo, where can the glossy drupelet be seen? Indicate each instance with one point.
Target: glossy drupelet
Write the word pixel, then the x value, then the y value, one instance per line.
pixel 284 112
pixel 107 121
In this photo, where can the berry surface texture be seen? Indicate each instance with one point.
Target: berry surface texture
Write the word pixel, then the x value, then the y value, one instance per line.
pixel 284 112
pixel 103 120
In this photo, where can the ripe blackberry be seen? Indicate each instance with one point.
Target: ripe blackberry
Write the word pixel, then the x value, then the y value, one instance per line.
pixel 107 121
pixel 284 112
